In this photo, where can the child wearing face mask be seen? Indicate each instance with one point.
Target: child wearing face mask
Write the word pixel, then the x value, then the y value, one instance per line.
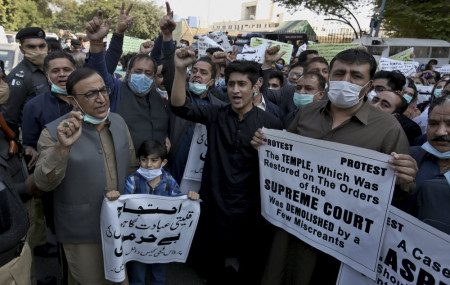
pixel 150 178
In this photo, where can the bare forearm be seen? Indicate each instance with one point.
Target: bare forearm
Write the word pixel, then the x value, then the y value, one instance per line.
pixel 179 88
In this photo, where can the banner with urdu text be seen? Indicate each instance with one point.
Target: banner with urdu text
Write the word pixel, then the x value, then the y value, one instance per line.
pixel 147 228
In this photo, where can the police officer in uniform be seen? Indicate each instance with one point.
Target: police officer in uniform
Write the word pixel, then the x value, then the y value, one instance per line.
pixel 15 254
pixel 27 79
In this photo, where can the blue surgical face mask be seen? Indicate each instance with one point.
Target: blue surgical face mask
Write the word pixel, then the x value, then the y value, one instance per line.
pixel 90 119
pixel 140 83
pixel 430 149
pixel 418 85
pixel 93 120
pixel 408 98
pixel 437 93
pixel 149 174
pixel 301 100
pixel 198 88
pixel 221 82
pixel 119 68
pixel 280 66
pixel 56 89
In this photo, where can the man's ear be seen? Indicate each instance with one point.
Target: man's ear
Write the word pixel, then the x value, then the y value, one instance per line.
pixel 164 162
pixel 258 84
pixel 211 83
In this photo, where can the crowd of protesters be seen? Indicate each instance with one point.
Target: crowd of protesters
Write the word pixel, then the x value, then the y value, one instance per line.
pixel 85 120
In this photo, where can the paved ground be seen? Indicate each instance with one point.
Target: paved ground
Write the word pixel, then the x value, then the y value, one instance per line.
pixel 177 273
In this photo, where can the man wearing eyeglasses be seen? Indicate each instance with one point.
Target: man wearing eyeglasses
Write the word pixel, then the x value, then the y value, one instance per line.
pixel 82 156
pixel 27 79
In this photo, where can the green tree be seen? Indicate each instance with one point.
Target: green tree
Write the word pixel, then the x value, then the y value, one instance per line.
pixel 8 9
pixel 417 19
pixel 73 16
pixel 402 18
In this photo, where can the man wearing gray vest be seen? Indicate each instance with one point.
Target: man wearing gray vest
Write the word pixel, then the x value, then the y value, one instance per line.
pixel 82 155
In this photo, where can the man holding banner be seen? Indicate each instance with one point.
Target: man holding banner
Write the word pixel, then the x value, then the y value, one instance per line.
pixel 349 119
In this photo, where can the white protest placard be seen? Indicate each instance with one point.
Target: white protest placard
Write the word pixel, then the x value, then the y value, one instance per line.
pixel 445 69
pixel 193 172
pixel 221 38
pixel 413 253
pixel 332 196
pixel 204 43
pixel 147 228
pixel 283 47
pixel 301 49
pixel 253 54
pixel 405 67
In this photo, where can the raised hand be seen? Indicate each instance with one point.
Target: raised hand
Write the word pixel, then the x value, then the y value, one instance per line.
pixel 97 28
pixel 69 130
pixel 184 57
pixel 146 47
pixel 167 24
pixel 219 57
pixel 271 55
pixel 232 56
pixel 125 21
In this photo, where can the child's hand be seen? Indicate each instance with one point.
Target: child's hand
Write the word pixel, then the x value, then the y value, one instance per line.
pixel 112 195
pixel 193 195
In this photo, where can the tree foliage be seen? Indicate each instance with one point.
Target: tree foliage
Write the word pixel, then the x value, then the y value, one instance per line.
pixel 402 18
pixel 417 19
pixel 73 15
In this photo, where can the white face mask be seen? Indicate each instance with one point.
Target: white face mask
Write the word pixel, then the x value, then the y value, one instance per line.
pixel 149 174
pixel 371 94
pixel 344 94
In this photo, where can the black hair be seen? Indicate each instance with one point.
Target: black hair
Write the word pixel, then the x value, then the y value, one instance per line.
pixel 297 64
pixel 411 85
pixel 315 59
pixel 282 61
pixel 140 56
pixel 250 68
pixel 439 102
pixel 320 78
pixel 209 61
pixel 2 66
pixel 150 147
pixel 124 59
pixel 430 62
pixel 212 50
pixel 58 54
pixel 277 74
pixel 78 75
pixel 303 57
pixel 53 44
pixel 358 56
pixel 395 79
pixel 403 106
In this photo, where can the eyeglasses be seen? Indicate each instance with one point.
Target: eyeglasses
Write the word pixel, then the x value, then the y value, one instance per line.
pixel 92 95
pixel 296 74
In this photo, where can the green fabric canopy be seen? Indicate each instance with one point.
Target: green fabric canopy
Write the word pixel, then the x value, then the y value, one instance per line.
pixel 300 26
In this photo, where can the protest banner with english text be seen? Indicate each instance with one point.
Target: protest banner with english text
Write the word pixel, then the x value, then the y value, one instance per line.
pixel 413 253
pixel 332 196
pixel 405 67
pixel 146 228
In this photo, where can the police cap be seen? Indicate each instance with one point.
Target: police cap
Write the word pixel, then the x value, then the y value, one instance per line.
pixel 30 33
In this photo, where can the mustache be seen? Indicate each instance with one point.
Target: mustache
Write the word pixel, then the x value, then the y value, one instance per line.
pixel 441 138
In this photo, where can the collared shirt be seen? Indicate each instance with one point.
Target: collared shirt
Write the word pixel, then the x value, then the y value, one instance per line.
pixel 369 128
pixel 138 184
pixel 230 182
pixel 56 164
pixel 262 104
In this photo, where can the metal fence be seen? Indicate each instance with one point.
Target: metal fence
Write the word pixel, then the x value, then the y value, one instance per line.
pixel 337 35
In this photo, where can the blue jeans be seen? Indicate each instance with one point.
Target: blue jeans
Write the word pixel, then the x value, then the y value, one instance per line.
pixel 137 271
